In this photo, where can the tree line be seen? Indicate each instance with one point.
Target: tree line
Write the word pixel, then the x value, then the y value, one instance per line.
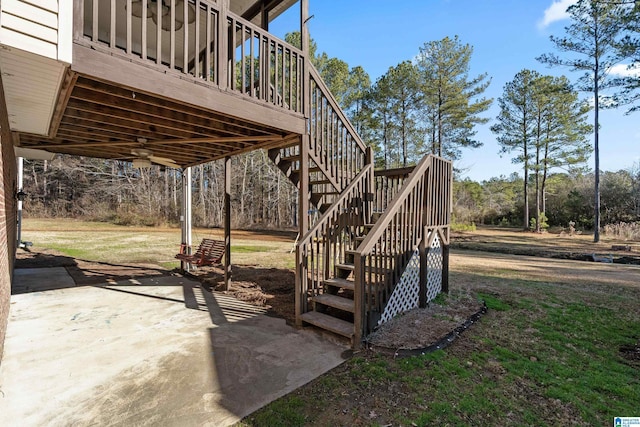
pixel 428 104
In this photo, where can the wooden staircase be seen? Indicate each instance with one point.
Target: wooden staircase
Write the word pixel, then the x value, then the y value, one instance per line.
pixel 365 228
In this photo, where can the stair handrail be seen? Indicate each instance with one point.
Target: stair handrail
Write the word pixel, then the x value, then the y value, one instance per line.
pixel 340 155
pixel 359 187
pixel 427 204
pixel 315 75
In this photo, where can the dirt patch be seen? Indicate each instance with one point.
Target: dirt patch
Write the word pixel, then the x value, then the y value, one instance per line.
pixel 547 245
pixel 421 328
pixel 631 353
pixel 271 288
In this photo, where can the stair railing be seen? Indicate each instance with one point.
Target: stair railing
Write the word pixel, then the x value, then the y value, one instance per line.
pixel 423 204
pixel 335 146
pixel 325 244
pixel 388 183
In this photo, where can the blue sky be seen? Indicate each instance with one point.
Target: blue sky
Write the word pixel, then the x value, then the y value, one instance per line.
pixel 507 36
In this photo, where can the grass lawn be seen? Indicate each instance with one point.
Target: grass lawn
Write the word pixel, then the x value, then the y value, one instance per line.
pixel 547 353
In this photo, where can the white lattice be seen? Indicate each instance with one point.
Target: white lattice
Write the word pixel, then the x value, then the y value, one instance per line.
pixel 406 294
pixel 434 268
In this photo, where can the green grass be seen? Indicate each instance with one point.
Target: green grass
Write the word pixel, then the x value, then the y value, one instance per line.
pixel 247 249
pixel 544 355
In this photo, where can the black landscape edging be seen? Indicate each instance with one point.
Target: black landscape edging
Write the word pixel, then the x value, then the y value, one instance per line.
pixel 438 345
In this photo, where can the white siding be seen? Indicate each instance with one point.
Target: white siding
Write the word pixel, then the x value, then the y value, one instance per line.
pixel 31 85
pixel 43 27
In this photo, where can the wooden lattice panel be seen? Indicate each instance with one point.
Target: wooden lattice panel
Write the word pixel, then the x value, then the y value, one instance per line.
pixel 406 294
pixel 434 268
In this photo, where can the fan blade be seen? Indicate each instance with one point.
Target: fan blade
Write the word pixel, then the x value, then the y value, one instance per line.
pixel 164 162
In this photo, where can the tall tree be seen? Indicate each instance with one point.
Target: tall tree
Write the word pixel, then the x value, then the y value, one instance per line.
pixel 563 142
pixel 359 85
pixel 404 98
pixel 382 126
pixel 542 118
pixel 516 125
pixel 451 98
pixel 593 44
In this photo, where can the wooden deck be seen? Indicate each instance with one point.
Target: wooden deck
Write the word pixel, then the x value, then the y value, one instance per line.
pixel 180 94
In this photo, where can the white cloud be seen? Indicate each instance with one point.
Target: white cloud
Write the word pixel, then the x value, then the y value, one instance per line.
pixel 556 12
pixel 623 70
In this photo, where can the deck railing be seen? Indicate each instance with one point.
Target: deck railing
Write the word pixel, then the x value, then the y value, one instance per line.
pixel 196 39
pixel 423 204
pixel 388 183
pixel 326 243
pixel 334 143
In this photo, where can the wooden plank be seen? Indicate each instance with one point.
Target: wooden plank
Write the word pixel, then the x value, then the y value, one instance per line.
pixel 126 73
pixel 329 323
pixel 340 283
pixel 335 301
pixel 61 103
pixel 94 21
pixel 213 120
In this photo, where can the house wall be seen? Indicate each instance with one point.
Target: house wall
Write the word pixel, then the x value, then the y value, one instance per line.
pixel 43 27
pixel 8 212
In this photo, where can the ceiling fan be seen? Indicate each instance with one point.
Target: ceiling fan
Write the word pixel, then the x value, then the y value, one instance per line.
pixel 144 159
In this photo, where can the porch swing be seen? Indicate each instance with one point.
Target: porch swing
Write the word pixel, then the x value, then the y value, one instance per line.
pixel 210 252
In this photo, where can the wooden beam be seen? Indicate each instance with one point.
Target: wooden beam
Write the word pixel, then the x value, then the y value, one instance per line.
pixel 227 223
pixel 164 142
pixel 130 74
pixel 68 83
pixel 231 125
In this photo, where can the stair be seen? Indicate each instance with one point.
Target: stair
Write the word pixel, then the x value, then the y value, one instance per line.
pixel 329 323
pixel 322 190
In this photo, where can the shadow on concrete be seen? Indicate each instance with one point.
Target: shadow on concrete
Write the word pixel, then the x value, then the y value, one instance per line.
pixel 82 272
pixel 212 364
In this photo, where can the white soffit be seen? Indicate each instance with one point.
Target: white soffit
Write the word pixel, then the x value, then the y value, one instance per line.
pixel 31 85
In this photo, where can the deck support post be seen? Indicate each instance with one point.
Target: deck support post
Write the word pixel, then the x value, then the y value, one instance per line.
pixel 423 251
pixel 227 222
pixel 303 181
pixel 185 217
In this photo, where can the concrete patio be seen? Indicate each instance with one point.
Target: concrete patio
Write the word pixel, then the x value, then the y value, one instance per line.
pixel 155 351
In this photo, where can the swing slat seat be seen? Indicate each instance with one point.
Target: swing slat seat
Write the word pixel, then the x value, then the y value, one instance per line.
pixel 210 252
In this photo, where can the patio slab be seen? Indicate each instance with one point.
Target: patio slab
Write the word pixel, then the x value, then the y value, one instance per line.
pixel 147 351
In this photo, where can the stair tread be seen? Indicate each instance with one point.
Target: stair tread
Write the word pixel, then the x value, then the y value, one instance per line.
pixel 320 181
pixel 329 323
pixel 335 301
pixel 346 266
pixel 341 283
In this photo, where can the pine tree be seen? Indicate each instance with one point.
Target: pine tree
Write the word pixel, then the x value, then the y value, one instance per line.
pixel 450 96
pixel 593 44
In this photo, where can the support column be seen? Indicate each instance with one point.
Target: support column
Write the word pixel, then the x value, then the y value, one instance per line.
pixel 227 223
pixel 422 249
pixel 303 181
pixel 185 217
pixel 20 164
